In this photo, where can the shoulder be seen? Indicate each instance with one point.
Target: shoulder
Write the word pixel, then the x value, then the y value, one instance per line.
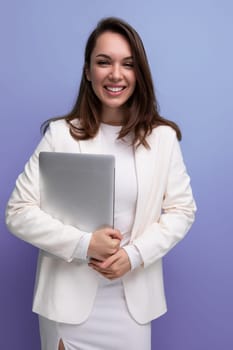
pixel 164 130
pixel 58 129
pixel 58 125
pixel 59 137
pixel 163 134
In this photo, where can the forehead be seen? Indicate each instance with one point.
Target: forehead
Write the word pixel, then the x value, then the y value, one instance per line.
pixel 112 44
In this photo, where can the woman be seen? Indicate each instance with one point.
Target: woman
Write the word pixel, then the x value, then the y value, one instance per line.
pixel 101 290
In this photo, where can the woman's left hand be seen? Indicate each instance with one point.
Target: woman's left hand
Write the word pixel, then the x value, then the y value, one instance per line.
pixel 113 267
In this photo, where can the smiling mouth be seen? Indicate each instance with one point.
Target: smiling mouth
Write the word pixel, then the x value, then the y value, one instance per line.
pixel 114 89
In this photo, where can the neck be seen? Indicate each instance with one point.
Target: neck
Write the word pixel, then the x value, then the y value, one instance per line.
pixel 113 123
pixel 113 116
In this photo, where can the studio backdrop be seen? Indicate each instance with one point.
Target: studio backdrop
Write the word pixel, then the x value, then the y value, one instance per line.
pixel 189 47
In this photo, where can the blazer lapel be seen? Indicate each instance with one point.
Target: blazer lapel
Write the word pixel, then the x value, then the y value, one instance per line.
pixel 144 165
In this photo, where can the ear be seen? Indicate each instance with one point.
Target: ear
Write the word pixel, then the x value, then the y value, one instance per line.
pixel 87 73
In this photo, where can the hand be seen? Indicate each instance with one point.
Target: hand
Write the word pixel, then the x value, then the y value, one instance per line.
pixel 104 243
pixel 113 267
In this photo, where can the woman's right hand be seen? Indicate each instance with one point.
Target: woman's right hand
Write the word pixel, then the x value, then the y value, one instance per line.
pixel 104 243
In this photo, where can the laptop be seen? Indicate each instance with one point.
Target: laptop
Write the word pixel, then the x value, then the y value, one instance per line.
pixel 78 188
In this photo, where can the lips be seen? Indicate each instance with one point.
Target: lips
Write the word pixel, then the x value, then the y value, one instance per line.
pixel 115 89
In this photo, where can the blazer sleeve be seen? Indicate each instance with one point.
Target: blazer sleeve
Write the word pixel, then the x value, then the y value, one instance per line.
pixel 177 213
pixel 26 220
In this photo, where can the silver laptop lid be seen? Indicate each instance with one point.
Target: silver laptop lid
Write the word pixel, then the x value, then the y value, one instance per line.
pixel 78 189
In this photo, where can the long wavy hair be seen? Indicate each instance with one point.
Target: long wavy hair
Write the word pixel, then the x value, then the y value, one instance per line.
pixel 142 106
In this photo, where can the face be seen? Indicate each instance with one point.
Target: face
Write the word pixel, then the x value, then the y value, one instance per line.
pixel 111 74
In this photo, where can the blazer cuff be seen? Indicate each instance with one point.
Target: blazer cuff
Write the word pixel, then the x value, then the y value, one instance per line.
pixel 134 256
pixel 82 247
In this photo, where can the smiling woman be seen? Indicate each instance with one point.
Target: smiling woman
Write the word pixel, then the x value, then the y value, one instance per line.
pixel 112 75
pixel 101 289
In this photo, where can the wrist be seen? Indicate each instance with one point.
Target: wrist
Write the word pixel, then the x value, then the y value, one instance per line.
pixel 133 255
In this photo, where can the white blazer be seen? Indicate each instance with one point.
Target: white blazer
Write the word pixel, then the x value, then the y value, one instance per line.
pixel 65 287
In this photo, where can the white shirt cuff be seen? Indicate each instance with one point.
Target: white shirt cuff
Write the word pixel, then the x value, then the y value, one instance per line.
pixel 82 247
pixel 134 256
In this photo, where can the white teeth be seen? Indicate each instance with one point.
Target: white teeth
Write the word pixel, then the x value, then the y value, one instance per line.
pixel 114 89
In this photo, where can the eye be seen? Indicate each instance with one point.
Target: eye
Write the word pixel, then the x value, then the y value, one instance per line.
pixel 129 64
pixel 103 62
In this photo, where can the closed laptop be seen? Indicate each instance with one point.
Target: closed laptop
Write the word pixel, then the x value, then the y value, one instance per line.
pixel 78 188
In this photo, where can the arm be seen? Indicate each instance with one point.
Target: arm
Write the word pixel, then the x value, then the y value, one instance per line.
pixel 178 209
pixel 26 220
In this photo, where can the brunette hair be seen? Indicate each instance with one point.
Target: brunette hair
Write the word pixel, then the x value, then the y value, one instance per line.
pixel 143 110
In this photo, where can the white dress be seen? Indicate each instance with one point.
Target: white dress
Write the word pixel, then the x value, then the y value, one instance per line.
pixel 110 325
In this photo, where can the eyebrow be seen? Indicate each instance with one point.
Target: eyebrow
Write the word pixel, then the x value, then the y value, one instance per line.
pixel 109 57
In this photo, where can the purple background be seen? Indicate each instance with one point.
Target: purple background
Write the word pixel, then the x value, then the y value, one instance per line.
pixel 189 46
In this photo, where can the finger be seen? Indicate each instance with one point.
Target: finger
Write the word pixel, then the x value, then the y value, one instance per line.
pixel 95 260
pixel 109 261
pixel 106 273
pixel 114 233
pixel 102 271
pixel 115 243
pixel 95 263
pixel 100 268
pixel 109 277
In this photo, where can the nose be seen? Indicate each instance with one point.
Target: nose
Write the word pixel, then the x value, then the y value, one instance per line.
pixel 116 73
